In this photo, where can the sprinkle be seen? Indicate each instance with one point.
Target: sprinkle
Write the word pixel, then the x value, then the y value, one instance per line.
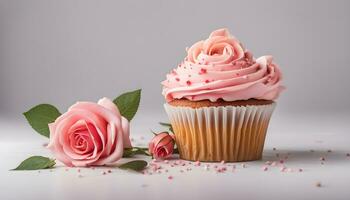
pixel 268 163
pixel 233 166
pixel 322 158
pixel 188 82
pixel 177 79
pixel 277 155
pixel 144 185
pixel 166 161
pixel 171 165
pixel 282 169
pixel 245 77
pixel 243 165
pixel 281 161
pixel 274 149
pixel 322 163
pixel 159 172
pixel 265 168
pixel 300 170
pixel 207 81
pixel 104 173
pixel 273 164
pixel 197 163
pixel 109 171
pixel 206 167
pixel 186 48
pixel 222 162
pixel 289 170
pixel 215 166
pixel 39 171
pixel 166 170
pixel 93 168
pixel 311 150
pixel 348 154
pixel 170 177
pixel 189 169
pixel 318 184
pixel 79 170
pixel 80 176
pixel 66 169
pixel 329 151
pixel 203 71
pixel 182 171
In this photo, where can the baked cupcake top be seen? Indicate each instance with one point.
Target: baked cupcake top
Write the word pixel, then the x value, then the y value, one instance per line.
pixel 220 68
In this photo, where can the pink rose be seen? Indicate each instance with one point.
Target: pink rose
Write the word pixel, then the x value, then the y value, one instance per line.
pixel 219 48
pixel 162 145
pixel 90 134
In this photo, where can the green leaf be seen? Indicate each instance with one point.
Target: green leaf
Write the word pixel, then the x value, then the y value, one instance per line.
pixel 40 116
pixel 35 163
pixel 128 103
pixel 130 152
pixel 136 165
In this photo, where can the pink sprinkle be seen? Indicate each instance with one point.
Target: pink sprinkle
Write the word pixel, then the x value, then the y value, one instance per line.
pixel 171 165
pixel 300 170
pixel 223 168
pixel 282 169
pixel 170 177
pixel 265 168
pixel 203 71
pixel 188 82
pixel 79 170
pixel 166 161
pixel 222 162
pixel 273 164
pixel 207 81
pixel 281 161
pixel 177 79
pixel 197 163
pixel 322 158
pixel 219 170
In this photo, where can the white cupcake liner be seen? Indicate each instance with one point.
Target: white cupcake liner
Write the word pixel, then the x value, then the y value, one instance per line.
pixel 223 133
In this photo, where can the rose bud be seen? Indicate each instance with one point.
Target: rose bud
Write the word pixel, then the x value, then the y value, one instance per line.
pixel 90 134
pixel 162 145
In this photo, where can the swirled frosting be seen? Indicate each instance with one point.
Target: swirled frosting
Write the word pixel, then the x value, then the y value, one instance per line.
pixel 220 68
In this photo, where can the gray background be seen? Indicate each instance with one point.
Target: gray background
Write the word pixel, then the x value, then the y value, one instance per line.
pixel 62 51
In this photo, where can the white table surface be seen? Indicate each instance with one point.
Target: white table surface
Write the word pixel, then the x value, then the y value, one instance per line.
pixel 293 134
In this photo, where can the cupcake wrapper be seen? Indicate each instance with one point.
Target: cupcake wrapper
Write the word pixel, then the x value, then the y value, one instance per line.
pixel 224 133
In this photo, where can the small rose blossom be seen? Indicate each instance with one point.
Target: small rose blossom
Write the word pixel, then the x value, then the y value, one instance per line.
pixel 90 134
pixel 162 145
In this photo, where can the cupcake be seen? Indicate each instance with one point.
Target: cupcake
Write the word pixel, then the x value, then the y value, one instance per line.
pixel 220 100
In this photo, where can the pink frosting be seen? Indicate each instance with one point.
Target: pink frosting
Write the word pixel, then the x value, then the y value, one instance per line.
pixel 220 68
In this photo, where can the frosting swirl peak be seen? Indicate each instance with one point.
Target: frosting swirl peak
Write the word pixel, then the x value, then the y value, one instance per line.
pixel 220 68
